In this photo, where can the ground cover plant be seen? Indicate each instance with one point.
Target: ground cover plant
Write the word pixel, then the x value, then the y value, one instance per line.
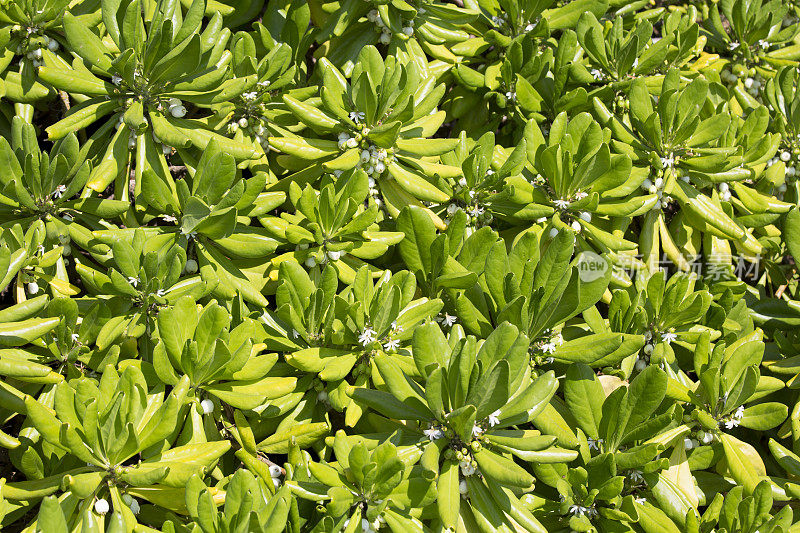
pixel 399 266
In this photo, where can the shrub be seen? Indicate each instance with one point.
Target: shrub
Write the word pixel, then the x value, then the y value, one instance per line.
pixel 431 266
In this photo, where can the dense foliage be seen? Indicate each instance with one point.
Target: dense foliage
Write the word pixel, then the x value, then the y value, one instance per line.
pixel 399 266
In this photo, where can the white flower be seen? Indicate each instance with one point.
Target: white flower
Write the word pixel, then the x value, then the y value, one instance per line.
pixel 561 204
pixel 636 476
pixel 161 292
pixel 434 433
pixel 367 336
pixel 449 319
pixel 396 327
pixel 169 218
pixel 392 345
pixel 594 444
pixel 75 337
pixel 207 406
pixel 596 74
pixel 580 195
pixel 116 80
pixel 476 211
pixel 640 500
pixel 101 506
pixel 668 337
pixel 494 418
pixel 550 347
pixel 59 191
pixel 667 162
pixel 275 470
pixel 763 44
pixel 357 116
pixel 578 510
pixel 739 412
pixel 466 468
pixel 264 83
pixel 477 431
pixel 732 423
pixel 133 281
pixel 250 96
pixel 733 46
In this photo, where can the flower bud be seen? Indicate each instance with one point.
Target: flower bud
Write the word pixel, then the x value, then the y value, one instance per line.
pixel 101 506
pixel 207 406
